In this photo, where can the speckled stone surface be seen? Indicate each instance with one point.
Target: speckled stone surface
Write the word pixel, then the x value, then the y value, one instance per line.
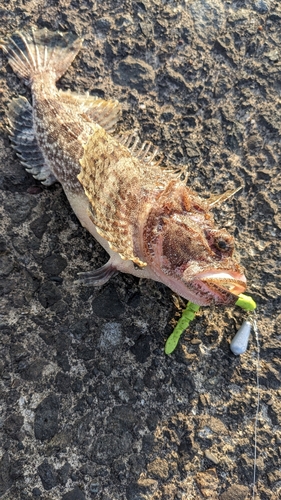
pixel 91 408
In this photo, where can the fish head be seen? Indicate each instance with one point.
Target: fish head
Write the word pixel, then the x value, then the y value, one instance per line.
pixel 189 254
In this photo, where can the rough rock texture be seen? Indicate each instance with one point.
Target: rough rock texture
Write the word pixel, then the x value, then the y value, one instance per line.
pixel 91 408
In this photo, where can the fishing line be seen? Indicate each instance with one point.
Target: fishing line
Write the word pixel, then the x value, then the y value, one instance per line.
pixel 255 327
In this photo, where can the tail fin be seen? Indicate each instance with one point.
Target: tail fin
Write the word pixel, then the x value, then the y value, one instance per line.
pixel 41 51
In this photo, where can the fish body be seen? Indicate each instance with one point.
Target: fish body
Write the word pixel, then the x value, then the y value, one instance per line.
pixel 151 224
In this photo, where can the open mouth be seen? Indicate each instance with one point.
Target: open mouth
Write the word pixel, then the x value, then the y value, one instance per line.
pixel 223 282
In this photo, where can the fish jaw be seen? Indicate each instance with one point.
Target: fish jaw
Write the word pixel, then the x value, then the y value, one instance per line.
pixel 220 287
pixel 212 287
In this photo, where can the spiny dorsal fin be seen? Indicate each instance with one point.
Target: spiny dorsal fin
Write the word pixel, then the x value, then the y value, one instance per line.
pixel 217 199
pixel 148 154
pixel 145 152
pixel 105 113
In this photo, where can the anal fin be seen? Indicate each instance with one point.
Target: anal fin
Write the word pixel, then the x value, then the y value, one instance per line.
pixel 25 143
pixel 99 276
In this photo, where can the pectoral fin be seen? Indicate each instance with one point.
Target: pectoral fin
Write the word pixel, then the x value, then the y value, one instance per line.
pixel 109 176
pixel 99 276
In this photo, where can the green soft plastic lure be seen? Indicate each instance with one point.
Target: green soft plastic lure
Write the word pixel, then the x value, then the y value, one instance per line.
pixel 244 301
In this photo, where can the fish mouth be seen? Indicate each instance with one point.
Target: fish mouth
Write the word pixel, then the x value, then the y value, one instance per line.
pixel 225 285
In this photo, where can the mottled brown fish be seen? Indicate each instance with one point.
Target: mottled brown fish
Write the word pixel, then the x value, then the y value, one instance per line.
pixel 149 222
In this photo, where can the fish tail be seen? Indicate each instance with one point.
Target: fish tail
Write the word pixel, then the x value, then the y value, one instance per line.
pixel 36 53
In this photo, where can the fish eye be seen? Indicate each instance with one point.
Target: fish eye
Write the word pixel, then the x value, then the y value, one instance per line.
pixel 223 245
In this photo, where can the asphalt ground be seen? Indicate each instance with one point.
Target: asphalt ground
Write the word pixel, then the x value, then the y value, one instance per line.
pixel 91 407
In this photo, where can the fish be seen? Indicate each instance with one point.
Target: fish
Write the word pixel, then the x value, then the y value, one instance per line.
pixel 143 214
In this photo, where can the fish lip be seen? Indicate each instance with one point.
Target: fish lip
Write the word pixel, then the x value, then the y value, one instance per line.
pixel 219 281
pixel 221 273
